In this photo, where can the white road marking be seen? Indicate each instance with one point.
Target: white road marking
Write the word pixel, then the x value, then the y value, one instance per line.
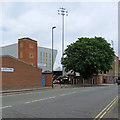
pixel 68 93
pixel 63 94
pixel 52 97
pixel 5 107
pixel 40 99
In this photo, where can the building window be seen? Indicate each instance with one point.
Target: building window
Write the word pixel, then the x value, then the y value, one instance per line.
pixel 50 60
pixel 46 60
pixel 21 54
pixel 43 57
pixel 40 57
pixel 31 55
pixel 31 46
pixel 21 45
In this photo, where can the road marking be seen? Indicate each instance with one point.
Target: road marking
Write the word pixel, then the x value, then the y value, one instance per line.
pixel 42 99
pixel 108 109
pixel 63 94
pixel 102 115
pixel 104 111
pixel 68 93
pixel 52 97
pixel 5 107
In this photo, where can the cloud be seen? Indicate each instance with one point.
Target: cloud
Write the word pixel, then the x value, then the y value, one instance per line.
pixel 35 20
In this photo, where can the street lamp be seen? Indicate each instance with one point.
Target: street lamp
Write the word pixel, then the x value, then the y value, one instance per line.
pixel 52 54
pixel 63 12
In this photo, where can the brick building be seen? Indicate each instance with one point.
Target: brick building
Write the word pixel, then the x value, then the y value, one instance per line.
pixel 23 71
pixel 108 78
pixel 27 50
pixel 31 50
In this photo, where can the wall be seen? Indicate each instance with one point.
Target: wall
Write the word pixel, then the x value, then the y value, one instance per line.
pixel 24 74
pixel 48 79
pixel 45 58
pixel 11 50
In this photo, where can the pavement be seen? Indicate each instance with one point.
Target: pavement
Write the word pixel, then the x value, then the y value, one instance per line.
pixel 55 86
pixel 74 102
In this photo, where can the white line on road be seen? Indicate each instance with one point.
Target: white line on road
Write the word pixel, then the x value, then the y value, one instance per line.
pixel 40 99
pixel 68 93
pixel 5 106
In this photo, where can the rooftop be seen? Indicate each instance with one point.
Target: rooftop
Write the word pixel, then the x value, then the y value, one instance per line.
pixel 27 39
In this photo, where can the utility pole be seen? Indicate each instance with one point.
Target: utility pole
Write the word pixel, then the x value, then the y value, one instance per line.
pixel 52 54
pixel 62 11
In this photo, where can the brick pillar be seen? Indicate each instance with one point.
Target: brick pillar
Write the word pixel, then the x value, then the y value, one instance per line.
pixel 27 50
pixel 96 80
pixel 107 79
pixel 48 79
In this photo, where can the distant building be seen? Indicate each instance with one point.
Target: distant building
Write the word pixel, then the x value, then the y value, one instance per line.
pixel 27 50
pixel 107 78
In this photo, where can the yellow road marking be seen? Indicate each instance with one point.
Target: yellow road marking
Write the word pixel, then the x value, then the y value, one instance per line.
pixel 110 104
pixel 102 115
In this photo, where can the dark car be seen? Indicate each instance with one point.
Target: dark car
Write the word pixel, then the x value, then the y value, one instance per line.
pixel 118 81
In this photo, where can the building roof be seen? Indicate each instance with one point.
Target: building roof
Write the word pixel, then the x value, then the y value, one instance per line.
pixel 27 38
pixel 70 73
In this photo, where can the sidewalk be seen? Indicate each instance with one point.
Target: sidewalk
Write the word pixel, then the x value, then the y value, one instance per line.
pixel 56 86
pixel 23 90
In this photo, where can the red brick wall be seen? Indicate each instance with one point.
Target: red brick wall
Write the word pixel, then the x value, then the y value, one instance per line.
pixel 48 79
pixel 23 75
pixel 27 48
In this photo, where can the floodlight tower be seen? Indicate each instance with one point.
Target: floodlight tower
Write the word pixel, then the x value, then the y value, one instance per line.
pixel 62 11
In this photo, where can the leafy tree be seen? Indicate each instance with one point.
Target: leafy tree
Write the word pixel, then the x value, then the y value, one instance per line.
pixel 88 56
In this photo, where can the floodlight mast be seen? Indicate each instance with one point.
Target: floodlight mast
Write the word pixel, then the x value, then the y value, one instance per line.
pixel 62 11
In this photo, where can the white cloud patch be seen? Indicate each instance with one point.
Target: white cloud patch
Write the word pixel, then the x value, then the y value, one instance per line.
pixel 35 20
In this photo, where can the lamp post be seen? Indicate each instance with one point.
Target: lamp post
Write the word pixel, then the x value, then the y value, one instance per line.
pixel 63 12
pixel 52 54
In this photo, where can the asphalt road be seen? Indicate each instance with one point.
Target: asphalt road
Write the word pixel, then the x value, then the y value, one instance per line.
pixel 78 102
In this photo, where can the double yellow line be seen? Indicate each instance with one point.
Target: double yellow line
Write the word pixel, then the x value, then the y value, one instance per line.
pixel 104 111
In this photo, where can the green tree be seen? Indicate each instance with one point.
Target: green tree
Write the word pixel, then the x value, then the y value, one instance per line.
pixel 88 56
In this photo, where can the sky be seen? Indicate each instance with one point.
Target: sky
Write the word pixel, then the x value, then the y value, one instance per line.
pixel 36 19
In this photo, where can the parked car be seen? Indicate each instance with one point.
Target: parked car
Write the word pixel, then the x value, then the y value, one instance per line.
pixel 56 82
pixel 61 81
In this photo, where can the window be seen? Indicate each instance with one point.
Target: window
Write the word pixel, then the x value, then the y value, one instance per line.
pixel 31 46
pixel 43 57
pixel 31 55
pixel 50 60
pixel 46 60
pixel 40 57
pixel 21 54
pixel 21 45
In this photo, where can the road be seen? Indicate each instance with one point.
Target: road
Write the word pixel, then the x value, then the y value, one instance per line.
pixel 78 102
